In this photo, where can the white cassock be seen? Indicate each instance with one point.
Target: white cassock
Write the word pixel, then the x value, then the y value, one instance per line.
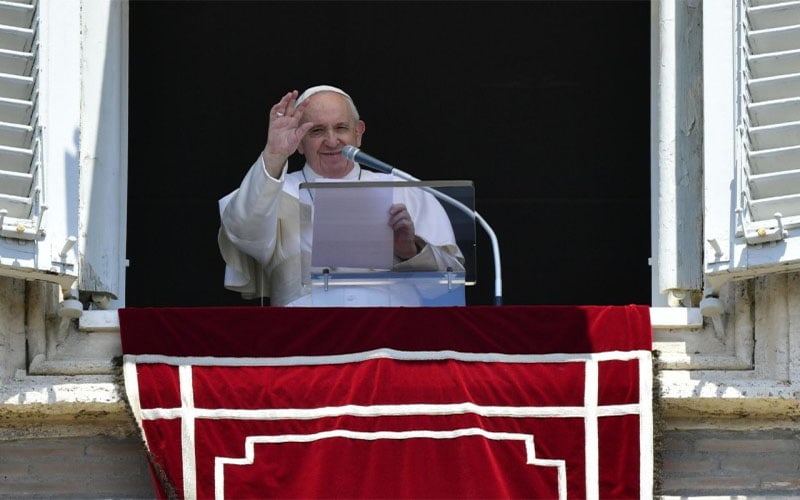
pixel 267 249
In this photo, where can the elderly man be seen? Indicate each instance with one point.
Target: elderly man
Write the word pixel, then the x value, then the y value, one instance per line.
pixel 267 250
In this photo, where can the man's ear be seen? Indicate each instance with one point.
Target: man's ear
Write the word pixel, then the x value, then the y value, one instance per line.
pixel 361 127
pixel 300 148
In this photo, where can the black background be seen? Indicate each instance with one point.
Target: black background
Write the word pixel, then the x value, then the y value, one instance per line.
pixel 544 105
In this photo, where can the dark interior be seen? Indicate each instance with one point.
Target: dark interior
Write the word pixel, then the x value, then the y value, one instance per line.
pixel 544 105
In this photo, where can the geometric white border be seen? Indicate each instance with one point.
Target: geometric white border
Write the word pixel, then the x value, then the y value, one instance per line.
pixel 590 411
pixel 250 442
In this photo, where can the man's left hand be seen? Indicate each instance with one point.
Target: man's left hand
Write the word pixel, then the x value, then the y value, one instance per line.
pixel 405 246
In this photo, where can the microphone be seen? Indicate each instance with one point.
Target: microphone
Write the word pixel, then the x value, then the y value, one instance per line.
pixel 352 153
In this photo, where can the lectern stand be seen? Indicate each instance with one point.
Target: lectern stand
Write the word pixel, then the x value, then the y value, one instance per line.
pixel 388 289
pixel 352 261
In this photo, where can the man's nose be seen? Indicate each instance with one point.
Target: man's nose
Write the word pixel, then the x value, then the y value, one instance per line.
pixel 331 139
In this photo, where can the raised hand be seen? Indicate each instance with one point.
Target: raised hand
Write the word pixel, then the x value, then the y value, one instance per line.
pixel 284 133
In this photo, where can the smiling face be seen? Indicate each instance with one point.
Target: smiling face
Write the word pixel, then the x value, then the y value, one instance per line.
pixel 334 128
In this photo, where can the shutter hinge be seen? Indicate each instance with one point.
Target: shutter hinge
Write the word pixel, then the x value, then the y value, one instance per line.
pixel 65 260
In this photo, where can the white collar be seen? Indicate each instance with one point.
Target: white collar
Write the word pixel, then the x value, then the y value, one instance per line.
pixel 353 175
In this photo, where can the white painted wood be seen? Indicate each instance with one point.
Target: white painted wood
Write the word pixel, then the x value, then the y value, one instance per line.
pixel 752 139
pixel 81 97
pixel 47 217
pixel 103 149
pixel 665 250
pixel 772 74
pixel 719 129
pixel 17 104
pixel 676 167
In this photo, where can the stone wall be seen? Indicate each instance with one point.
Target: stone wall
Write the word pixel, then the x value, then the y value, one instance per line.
pixel 728 395
pixel 75 468
pixel 694 463
pixel 725 462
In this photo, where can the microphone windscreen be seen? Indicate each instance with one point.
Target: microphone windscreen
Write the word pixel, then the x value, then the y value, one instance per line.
pixel 350 152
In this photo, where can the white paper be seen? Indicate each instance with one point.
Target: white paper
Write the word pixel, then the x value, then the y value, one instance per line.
pixel 351 227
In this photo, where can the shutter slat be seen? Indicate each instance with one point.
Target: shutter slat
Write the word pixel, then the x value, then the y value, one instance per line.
pixel 13 62
pixel 18 207
pixel 774 16
pixel 16 14
pixel 16 183
pixel 774 40
pixel 774 160
pixel 775 184
pixel 16 111
pixel 774 63
pixel 13 38
pixel 775 112
pixel 15 159
pixel 765 209
pixel 15 135
pixel 760 3
pixel 16 87
pixel 775 87
pixel 775 136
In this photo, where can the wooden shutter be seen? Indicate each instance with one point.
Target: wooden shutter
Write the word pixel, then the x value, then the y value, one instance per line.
pixel 770 85
pixel 751 139
pixel 20 158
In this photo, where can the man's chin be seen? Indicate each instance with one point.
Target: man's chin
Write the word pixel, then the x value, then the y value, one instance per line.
pixel 334 170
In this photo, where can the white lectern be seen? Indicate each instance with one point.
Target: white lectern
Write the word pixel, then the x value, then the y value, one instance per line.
pixel 352 262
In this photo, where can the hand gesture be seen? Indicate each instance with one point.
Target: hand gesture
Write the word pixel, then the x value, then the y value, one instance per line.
pixel 284 133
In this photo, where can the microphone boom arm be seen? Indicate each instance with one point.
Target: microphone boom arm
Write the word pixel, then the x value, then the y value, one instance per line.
pixel 354 154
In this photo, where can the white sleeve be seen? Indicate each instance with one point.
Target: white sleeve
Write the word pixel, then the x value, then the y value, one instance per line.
pixel 247 234
pixel 434 234
pixel 249 215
